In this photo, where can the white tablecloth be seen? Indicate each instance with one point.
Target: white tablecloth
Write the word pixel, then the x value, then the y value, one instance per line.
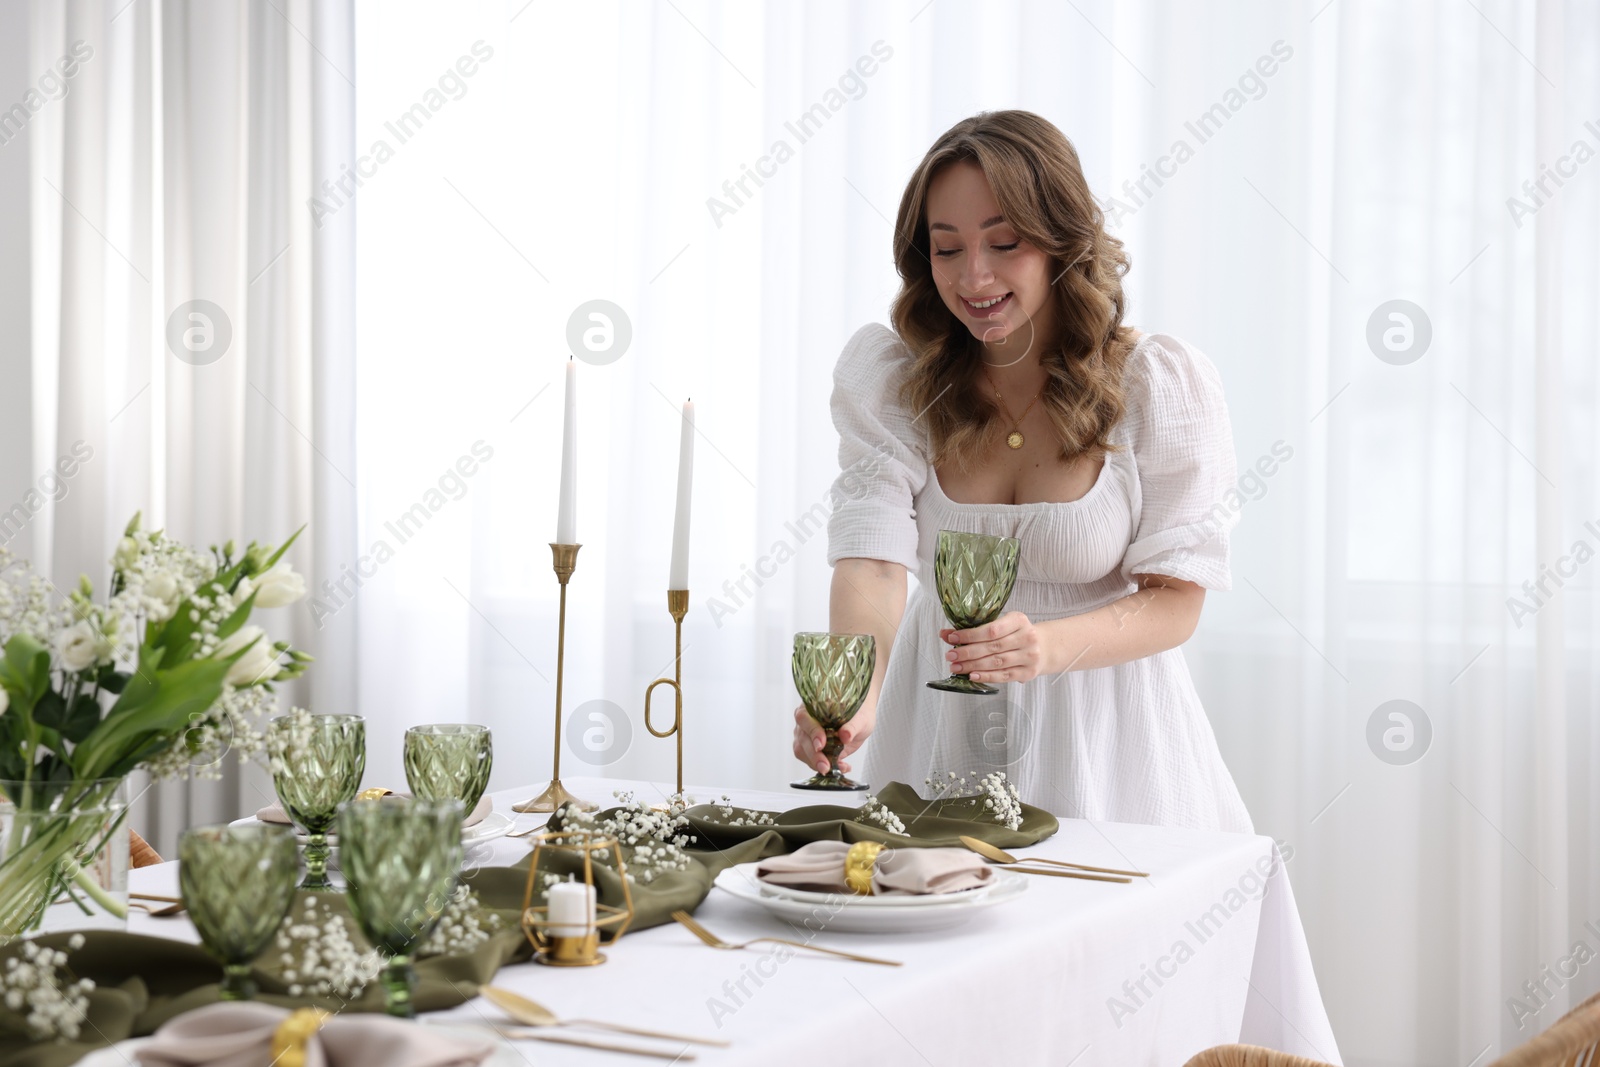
pixel 1208 950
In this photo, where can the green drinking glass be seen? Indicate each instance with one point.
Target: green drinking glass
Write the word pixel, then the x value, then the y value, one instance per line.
pixel 314 773
pixel 449 760
pixel 237 883
pixel 973 575
pixel 833 673
pixel 401 858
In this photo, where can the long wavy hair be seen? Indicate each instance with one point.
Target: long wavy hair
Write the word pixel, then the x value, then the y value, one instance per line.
pixel 1039 184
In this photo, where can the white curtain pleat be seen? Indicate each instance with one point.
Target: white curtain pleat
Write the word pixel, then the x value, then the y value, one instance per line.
pixel 178 167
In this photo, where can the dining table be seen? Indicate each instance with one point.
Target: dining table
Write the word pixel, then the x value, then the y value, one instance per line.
pixel 1206 949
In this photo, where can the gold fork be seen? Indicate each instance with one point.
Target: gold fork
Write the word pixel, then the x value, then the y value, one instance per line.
pixel 716 942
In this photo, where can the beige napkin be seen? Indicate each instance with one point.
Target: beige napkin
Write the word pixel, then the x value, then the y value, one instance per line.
pixel 819 867
pixel 275 812
pixel 240 1035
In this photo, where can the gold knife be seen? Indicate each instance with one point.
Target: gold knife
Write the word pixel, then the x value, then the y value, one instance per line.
pixel 1069 874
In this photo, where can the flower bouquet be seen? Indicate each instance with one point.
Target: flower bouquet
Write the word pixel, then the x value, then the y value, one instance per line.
pixel 166 676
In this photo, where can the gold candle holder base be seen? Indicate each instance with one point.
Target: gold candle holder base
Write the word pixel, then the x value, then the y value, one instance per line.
pixel 564 560
pixel 677 607
pixel 555 794
pixel 572 951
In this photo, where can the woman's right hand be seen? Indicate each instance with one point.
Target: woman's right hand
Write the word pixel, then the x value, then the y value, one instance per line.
pixel 809 738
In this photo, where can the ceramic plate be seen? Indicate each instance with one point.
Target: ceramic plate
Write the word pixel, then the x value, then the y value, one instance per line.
pixel 853 914
pixel 119 1055
pixel 808 896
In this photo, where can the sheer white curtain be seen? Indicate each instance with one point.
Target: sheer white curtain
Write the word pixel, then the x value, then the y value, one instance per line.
pixel 173 164
pixel 1281 172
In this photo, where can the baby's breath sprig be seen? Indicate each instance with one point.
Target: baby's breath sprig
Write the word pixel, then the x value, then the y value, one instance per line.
pixel 318 956
pixel 52 1005
pixel 463 925
pixel 742 816
pixel 653 840
pixel 875 811
pixel 999 795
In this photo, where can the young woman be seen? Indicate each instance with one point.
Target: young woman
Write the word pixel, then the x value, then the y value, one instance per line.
pixel 1011 399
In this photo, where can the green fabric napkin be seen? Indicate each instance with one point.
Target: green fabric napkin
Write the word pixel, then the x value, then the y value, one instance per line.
pixel 142 981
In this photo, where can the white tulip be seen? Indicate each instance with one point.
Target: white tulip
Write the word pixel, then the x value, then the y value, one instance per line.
pixel 274 587
pixel 80 646
pixel 260 664
pixel 126 555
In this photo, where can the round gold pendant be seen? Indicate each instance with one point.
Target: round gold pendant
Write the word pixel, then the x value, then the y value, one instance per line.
pixel 1014 439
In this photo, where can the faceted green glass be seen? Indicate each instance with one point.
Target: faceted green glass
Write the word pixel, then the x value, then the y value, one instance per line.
pixel 449 760
pixel 833 673
pixel 237 883
pixel 974 575
pixel 401 858
pixel 317 775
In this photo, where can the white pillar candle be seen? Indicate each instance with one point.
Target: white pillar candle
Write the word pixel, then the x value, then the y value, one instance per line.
pixel 679 579
pixel 571 909
pixel 567 510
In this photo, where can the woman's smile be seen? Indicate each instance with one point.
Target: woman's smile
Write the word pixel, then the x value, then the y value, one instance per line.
pixel 986 307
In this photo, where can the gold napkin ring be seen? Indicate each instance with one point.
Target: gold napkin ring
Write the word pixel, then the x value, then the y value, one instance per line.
pixel 375 793
pixel 858 863
pixel 290 1038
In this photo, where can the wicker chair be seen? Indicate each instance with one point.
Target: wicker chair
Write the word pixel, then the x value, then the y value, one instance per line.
pixel 140 854
pixel 1574 1041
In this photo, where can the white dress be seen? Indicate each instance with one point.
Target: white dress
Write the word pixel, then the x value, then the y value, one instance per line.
pixel 1127 743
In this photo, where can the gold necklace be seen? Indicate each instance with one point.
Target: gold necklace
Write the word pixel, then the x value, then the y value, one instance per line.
pixel 1014 438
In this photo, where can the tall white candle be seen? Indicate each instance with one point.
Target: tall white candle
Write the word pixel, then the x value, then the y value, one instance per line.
pixel 679 578
pixel 571 909
pixel 567 511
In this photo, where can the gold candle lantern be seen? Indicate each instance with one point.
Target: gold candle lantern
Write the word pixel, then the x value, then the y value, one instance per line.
pixel 554 943
pixel 677 607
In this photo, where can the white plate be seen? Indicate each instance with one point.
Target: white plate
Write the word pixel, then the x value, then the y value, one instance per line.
pixel 119 1055
pixel 854 914
pixel 493 825
pixel 907 900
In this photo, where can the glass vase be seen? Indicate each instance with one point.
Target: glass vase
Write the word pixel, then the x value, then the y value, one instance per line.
pixel 63 856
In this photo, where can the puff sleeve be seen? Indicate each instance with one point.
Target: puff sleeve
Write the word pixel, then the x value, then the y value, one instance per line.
pixel 882 455
pixel 1182 443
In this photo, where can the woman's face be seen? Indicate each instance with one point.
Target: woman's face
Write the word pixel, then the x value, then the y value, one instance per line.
pixel 990 279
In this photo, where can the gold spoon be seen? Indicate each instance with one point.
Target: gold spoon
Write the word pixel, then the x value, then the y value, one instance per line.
pixel 531 1013
pixel 157 911
pixel 990 852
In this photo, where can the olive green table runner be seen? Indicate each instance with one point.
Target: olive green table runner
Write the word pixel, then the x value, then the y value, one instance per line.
pixel 142 981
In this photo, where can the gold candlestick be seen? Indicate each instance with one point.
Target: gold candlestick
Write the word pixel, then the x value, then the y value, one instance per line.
pixel 678 607
pixel 564 559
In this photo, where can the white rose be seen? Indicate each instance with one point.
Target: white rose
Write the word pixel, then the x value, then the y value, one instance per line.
pixel 164 595
pixel 5 700
pixel 80 646
pixel 260 664
pixel 274 587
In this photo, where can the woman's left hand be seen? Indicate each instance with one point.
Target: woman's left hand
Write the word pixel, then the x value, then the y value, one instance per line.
pixel 1010 649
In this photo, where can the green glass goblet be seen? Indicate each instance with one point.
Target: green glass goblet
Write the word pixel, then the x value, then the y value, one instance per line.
pixel 314 772
pixel 401 858
pixel 973 575
pixel 449 760
pixel 237 883
pixel 833 673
